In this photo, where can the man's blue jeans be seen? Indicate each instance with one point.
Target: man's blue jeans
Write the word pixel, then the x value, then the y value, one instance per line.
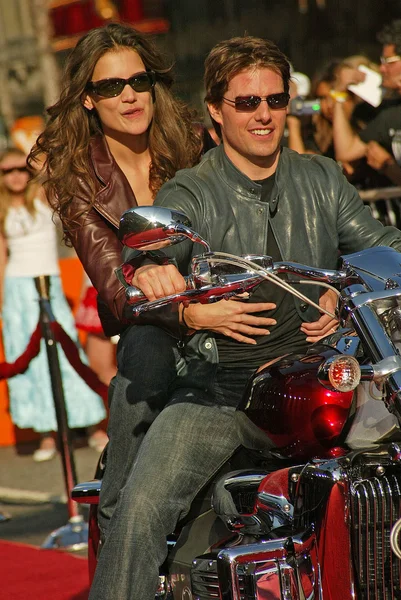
pixel 185 445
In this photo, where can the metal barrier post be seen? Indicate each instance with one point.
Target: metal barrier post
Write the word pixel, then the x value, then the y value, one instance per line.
pixel 385 194
pixel 73 535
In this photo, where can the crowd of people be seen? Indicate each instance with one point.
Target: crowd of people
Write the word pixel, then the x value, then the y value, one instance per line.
pixel 271 182
pixel 360 133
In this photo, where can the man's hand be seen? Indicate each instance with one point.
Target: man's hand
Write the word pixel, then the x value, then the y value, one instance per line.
pixel 158 281
pixel 320 328
pixel 231 318
pixel 377 157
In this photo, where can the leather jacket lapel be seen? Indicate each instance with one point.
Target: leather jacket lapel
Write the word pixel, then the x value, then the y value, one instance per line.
pixel 115 194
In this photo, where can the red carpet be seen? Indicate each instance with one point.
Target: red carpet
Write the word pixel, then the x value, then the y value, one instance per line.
pixel 29 573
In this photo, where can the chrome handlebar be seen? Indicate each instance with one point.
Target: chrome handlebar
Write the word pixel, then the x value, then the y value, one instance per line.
pixel 212 280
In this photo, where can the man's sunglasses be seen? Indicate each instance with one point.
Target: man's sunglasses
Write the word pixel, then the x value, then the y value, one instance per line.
pixel 110 88
pixel 7 171
pixel 386 60
pixel 251 103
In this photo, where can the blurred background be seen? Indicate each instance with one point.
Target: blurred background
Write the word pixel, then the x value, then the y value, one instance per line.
pixel 36 35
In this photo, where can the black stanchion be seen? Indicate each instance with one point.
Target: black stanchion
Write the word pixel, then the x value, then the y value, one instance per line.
pixel 73 535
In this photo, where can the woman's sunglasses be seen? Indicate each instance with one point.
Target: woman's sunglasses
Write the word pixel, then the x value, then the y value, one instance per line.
pixel 110 88
pixel 7 171
pixel 251 103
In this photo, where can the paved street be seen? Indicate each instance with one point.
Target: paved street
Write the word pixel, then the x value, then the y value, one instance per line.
pixel 34 494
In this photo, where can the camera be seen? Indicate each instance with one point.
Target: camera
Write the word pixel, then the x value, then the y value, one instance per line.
pixel 300 107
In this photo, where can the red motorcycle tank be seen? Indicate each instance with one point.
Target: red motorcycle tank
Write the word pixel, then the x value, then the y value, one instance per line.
pixel 301 418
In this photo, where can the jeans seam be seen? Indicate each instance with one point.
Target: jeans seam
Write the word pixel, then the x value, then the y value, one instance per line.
pixel 224 460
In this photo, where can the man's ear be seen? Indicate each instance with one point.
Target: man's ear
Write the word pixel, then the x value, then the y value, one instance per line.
pixel 215 113
pixel 87 102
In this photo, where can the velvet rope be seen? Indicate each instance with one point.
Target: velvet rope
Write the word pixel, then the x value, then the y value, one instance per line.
pixel 21 364
pixel 72 353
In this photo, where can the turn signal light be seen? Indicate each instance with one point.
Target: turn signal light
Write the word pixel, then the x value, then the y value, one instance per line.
pixel 344 373
pixel 340 373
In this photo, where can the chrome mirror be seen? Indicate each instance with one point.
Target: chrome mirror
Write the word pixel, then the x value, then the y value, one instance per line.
pixel 154 227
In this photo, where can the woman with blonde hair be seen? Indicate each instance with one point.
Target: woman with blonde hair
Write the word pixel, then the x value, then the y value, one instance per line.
pixel 28 249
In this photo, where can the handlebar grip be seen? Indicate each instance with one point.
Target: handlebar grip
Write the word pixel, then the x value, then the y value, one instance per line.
pixel 136 296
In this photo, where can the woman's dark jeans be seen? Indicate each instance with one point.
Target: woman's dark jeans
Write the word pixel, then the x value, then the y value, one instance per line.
pixel 190 433
pixel 146 361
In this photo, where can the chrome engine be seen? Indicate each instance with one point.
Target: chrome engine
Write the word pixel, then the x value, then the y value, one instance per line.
pixel 343 512
pixel 375 509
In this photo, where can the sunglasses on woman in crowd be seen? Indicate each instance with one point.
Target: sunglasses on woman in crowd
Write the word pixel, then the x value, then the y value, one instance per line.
pixel 112 87
pixel 8 170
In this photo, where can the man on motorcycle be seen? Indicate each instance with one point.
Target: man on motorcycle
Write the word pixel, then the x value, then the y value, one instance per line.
pixel 249 195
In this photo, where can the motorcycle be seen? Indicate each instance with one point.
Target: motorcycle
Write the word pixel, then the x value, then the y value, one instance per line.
pixel 310 507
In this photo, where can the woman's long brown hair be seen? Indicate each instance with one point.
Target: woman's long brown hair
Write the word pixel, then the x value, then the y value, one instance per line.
pixel 61 151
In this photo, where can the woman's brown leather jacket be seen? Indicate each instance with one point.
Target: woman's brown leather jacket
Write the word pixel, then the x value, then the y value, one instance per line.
pixel 95 238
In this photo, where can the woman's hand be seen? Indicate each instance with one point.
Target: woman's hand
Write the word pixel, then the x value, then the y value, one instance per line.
pixel 158 281
pixel 318 329
pixel 231 318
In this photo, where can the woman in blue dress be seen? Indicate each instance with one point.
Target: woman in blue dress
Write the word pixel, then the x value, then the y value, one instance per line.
pixel 28 248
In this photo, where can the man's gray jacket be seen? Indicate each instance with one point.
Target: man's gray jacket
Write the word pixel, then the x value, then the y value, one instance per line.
pixel 314 213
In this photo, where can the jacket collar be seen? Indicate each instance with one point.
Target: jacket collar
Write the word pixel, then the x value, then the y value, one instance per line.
pixel 239 182
pixel 235 178
pixel 115 194
pixel 102 160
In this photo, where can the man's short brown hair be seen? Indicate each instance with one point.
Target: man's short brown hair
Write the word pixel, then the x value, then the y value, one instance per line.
pixel 233 56
pixel 230 57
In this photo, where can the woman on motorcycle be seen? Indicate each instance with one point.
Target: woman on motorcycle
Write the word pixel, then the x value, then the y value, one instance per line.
pixel 108 146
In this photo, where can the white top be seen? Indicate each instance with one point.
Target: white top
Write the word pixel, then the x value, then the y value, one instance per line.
pixel 31 241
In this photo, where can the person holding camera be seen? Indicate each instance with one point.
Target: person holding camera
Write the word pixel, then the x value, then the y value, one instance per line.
pixel 319 114
pixel 309 122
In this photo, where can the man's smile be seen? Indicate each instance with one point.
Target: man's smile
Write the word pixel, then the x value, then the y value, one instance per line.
pixel 261 132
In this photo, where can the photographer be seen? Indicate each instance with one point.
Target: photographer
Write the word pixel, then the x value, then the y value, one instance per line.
pixel 310 129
